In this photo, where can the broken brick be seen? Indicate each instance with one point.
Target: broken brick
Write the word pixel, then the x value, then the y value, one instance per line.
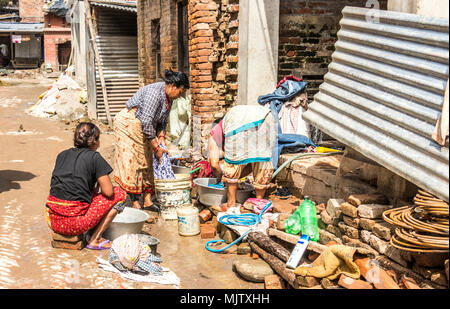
pixel 68 245
pixel 207 231
pixel 409 283
pixel 308 282
pixel 359 199
pixel 367 224
pixel 349 210
pixel 73 239
pixel 370 270
pixel 350 283
pixel 372 211
pixel 329 220
pixel 383 230
pixel 349 231
pixel 273 282
pixel 334 207
pixel 320 208
pixel 205 215
pixel 352 222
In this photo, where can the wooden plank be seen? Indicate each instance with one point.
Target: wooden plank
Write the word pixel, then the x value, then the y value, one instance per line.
pixel 293 239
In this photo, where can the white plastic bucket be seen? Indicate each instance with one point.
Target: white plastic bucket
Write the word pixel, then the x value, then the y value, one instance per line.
pixel 172 194
pixel 188 221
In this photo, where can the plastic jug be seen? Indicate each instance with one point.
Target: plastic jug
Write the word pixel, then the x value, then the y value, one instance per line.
pixel 308 219
pixel 188 221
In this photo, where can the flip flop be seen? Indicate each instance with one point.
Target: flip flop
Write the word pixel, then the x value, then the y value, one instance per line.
pixel 99 247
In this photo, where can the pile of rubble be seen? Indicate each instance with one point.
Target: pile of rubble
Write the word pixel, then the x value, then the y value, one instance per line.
pixel 353 227
pixel 65 100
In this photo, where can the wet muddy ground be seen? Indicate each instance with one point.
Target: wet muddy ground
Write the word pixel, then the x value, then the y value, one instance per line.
pixel 28 149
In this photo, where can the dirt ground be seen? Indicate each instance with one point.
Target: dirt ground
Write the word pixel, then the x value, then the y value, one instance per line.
pixel 27 259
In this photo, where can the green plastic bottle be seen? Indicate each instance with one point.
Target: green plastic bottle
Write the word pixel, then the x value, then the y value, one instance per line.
pixel 308 219
pixel 292 225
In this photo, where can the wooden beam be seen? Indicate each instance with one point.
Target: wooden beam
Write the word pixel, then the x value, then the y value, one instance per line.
pixel 277 265
pixel 293 239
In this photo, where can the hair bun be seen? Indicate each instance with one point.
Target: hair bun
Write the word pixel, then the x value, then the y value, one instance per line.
pixel 168 73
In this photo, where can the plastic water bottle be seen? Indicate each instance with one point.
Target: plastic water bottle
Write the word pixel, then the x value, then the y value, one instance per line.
pixel 308 219
pixel 293 224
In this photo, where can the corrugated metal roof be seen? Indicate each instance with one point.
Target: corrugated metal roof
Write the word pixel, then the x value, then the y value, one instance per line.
pixel 384 93
pixel 22 27
pixel 116 4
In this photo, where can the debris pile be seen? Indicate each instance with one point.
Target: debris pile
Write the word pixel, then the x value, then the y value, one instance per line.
pixel 64 100
pixel 354 251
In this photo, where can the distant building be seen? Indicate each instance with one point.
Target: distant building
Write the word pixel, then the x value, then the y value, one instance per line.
pixel 31 11
pixel 57 36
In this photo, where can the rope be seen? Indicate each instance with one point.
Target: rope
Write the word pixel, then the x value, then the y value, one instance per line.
pixel 240 220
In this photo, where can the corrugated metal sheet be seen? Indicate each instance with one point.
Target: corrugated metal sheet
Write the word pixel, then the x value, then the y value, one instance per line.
pixel 22 27
pixel 123 5
pixel 384 93
pixel 118 49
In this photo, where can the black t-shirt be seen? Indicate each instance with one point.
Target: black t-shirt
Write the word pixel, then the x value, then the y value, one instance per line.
pixel 75 174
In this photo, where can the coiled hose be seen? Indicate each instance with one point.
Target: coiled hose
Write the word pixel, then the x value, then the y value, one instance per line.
pixel 241 220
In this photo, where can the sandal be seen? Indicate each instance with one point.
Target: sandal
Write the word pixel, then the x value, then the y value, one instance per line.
pixel 100 246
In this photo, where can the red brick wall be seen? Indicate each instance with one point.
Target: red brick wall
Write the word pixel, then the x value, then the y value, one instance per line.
pixel 213 49
pixel 167 20
pixel 31 11
pixel 54 35
pixel 308 32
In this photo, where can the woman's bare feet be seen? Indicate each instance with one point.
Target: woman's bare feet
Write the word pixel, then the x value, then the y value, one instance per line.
pixel 136 205
pixel 148 200
pixel 100 243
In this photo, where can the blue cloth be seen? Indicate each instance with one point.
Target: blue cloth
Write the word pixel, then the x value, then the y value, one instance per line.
pixel 164 169
pixel 217 186
pixel 294 142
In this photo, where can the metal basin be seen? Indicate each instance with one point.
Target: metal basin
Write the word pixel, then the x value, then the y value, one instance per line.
pixel 151 241
pixel 180 169
pixel 212 196
pixel 130 221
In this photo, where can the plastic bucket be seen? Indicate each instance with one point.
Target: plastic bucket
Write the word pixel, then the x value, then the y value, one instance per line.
pixel 188 221
pixel 172 194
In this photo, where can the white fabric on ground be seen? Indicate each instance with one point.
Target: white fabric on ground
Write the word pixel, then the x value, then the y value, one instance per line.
pixel 168 278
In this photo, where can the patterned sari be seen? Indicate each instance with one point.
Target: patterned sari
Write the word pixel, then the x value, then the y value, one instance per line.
pixel 73 218
pixel 133 155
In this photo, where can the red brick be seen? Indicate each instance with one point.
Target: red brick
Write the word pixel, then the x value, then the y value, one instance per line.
pixel 72 239
pixel 205 215
pixel 68 245
pixel 207 231
pixel 359 199
pixel 273 282
pixel 378 276
pixel 349 210
pixel 350 283
pixel 409 283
